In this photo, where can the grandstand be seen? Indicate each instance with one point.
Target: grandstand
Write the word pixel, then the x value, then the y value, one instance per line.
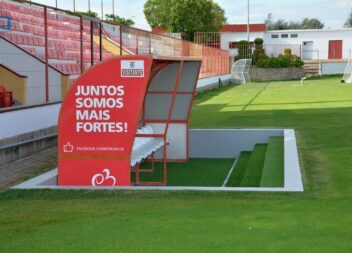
pixel 50 47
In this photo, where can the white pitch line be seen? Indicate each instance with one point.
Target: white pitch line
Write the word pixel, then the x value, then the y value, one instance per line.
pixel 229 174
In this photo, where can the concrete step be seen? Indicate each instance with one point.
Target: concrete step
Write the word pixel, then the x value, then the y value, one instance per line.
pixel 240 167
pixel 273 170
pixel 254 169
pixel 312 68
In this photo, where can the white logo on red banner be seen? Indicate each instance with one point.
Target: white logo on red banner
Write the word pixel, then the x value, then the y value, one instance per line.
pixel 101 178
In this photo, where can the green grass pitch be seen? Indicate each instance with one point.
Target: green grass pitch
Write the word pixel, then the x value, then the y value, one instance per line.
pixel 315 221
pixel 197 172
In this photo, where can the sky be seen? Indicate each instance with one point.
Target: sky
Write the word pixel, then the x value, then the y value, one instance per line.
pixel 333 13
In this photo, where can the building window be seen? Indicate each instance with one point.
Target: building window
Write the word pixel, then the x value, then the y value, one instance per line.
pixel 294 35
pixel 284 36
pixel 234 45
pixel 274 36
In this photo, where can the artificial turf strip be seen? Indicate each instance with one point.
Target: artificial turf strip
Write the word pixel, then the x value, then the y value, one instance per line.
pixel 273 170
pixel 196 172
pixel 254 169
pixel 238 172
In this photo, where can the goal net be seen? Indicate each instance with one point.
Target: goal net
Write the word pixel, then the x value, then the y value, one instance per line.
pixel 240 71
pixel 347 77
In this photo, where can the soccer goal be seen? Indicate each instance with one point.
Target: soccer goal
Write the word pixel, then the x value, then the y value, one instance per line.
pixel 347 77
pixel 240 71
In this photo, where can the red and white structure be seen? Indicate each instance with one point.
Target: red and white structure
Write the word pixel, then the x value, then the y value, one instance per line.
pixel 123 112
pixel 230 35
pixel 310 44
pixel 52 47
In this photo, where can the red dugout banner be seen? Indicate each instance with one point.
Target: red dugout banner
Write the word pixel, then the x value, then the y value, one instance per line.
pixel 98 122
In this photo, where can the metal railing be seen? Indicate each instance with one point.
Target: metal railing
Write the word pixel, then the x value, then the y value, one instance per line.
pixel 240 51
pixel 71 43
pixel 310 54
pixel 210 39
pixel 276 50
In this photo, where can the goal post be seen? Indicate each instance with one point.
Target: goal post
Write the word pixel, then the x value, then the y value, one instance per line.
pixel 240 71
pixel 347 77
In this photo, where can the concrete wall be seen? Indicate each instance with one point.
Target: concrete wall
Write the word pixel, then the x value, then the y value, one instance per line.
pixel 27 65
pixel 271 74
pixel 212 82
pixel 320 39
pixel 14 123
pixel 227 143
pixel 22 145
pixel 26 131
pixel 333 68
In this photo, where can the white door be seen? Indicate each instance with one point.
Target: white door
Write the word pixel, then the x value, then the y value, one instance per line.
pixel 307 50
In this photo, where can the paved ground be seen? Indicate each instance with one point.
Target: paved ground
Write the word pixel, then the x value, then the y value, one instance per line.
pixel 27 167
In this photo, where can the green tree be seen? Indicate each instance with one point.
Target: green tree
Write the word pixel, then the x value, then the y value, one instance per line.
pixel 311 23
pixel 281 24
pixel 119 20
pixel 269 21
pixel 186 16
pixel 348 23
pixel 156 13
pixel 88 13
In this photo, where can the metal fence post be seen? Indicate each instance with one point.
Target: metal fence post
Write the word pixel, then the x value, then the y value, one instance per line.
pixel 91 44
pixel 137 41
pixel 81 43
pixel 101 42
pixel 46 55
pixel 120 39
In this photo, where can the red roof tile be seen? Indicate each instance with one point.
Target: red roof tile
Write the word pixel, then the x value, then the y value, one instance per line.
pixel 243 28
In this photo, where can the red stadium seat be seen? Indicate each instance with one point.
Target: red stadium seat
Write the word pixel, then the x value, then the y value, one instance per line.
pixel 63 36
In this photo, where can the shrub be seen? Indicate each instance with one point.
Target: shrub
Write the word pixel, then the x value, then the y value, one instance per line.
pixel 258 41
pixel 282 61
pixel 242 42
pixel 288 51
pixel 285 61
pixel 275 62
pixel 258 54
pixel 263 63
pixel 296 61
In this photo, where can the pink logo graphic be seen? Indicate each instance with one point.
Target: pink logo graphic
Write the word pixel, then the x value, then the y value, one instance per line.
pixel 68 148
pixel 99 179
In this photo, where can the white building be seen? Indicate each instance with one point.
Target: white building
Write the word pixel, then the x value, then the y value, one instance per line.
pixel 232 34
pixel 319 44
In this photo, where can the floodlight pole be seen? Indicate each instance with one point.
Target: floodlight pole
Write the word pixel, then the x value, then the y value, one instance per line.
pixel 102 10
pixel 113 7
pixel 248 21
pixel 74 6
pixel 89 5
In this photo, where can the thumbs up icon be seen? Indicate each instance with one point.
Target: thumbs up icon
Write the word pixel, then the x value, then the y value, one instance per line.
pixel 68 148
